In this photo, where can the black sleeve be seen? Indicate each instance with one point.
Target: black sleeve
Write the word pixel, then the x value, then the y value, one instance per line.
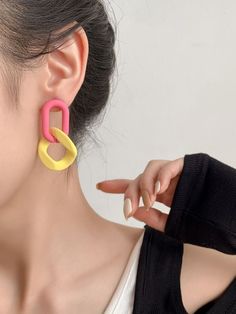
pixel 203 210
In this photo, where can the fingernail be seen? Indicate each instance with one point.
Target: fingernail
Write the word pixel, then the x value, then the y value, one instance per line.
pixel 146 199
pixel 127 209
pixel 98 186
pixel 157 187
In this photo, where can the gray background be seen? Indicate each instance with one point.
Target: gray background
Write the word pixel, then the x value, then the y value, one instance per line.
pixel 174 93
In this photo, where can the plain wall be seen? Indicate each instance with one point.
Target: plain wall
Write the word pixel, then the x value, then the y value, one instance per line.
pixel 175 93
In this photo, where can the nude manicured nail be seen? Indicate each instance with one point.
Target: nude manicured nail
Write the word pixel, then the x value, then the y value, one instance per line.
pixel 157 187
pixel 127 208
pixel 146 199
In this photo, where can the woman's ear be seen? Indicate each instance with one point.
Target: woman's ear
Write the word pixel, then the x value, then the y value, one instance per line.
pixel 66 67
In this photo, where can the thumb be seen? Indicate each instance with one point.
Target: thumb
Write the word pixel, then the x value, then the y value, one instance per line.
pixel 118 186
pixel 153 217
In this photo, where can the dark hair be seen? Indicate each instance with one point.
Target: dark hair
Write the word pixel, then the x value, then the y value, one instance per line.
pixel 30 29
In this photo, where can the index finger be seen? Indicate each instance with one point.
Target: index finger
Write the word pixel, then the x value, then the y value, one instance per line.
pixel 116 186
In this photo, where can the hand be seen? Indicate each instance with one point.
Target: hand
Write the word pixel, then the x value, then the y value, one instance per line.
pixel 146 185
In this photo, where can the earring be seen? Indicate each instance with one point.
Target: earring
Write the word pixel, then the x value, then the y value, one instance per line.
pixel 55 135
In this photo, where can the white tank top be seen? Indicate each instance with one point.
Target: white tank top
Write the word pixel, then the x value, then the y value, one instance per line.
pixel 123 297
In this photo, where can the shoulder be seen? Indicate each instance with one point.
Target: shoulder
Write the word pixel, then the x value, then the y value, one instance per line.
pixel 127 234
pixel 205 274
pixel 121 239
pixel 192 274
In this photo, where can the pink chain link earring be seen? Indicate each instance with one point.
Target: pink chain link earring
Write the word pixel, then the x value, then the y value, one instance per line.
pixel 55 135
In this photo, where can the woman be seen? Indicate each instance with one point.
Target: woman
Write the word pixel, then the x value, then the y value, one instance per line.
pixel 57 255
pixel 56 252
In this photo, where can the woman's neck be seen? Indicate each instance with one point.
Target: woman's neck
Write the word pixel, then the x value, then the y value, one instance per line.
pixel 45 232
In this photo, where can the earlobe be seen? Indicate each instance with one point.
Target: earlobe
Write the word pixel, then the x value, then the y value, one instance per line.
pixel 66 67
